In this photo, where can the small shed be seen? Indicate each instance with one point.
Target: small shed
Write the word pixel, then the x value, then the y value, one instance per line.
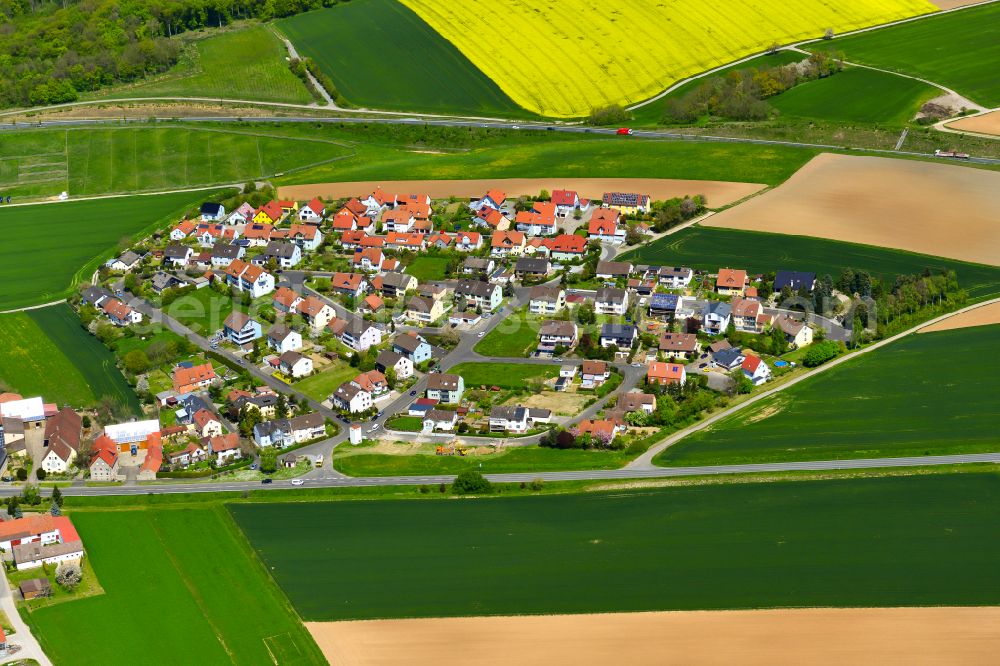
pixel 35 587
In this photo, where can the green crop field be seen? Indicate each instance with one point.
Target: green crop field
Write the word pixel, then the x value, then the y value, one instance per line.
pixel 245 64
pixel 856 95
pixel 907 541
pixel 46 352
pixel 928 394
pixel 355 462
pixel 190 591
pixel 592 158
pixel 504 375
pixel 381 55
pixel 88 161
pixel 959 50
pixel 426 268
pixel 710 248
pixel 48 249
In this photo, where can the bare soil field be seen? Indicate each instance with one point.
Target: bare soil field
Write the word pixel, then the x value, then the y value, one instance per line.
pixel 717 193
pixel 937 209
pixel 988 314
pixel 565 403
pixel 951 4
pixel 802 636
pixel 987 123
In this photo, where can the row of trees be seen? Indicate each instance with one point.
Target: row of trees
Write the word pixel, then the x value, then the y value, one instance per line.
pixel 51 52
pixel 740 94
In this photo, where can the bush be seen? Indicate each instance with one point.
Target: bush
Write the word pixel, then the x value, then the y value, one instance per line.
pixel 41 474
pixel 471 482
pixel 820 352
pixel 614 114
pixel 68 576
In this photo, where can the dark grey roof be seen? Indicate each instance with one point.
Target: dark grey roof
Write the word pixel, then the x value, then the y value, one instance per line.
pixel 618 331
pixel 794 280
pixel 209 208
pixel 622 268
pixel 95 294
pixel 279 250
pixel 220 251
pixel 387 358
pixel 176 251
pixel 532 265
pixel 727 357
pixel 476 263
pixel 607 294
pixel 163 281
pixel 396 279
pixel 306 421
pixel 720 308
pixel 129 257
pixel 279 332
pixel 408 342
pixel 474 288
pixel 543 293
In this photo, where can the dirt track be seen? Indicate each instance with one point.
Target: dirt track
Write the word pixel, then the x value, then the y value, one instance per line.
pixel 805 636
pixel 718 193
pixel 938 209
pixel 988 314
pixel 951 4
pixel 988 123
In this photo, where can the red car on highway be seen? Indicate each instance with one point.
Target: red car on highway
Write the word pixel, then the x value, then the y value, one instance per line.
pixel 624 131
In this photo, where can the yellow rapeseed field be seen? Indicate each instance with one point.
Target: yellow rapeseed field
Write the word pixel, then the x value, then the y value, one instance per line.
pixel 565 57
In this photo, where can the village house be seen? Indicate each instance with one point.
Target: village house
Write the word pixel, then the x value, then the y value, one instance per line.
pixel 679 345
pixel 527 267
pixel 507 244
pixel 183 229
pixel 223 255
pixel 315 312
pixel 439 419
pixel 546 300
pixel 556 333
pixel 611 300
pixel 478 266
pixel 313 211
pixel 240 329
pixel 269 213
pixel 225 448
pixel 390 360
pixel 674 277
pixel 794 280
pixel 567 247
pixel 413 347
pixel 749 316
pixel 493 219
pixel 188 378
pixel 517 419
pixel 307 236
pixel 716 317
pixel 755 369
pixel 662 374
pixel 567 202
pixel 425 310
pixel 627 203
pixel 613 270
pixel 285 255
pixel 374 382
pixel 494 199
pixel 395 284
pixel 206 424
pixel 665 306
pixel 604 430
pixel 399 220
pixel 594 373
pixel 351 398
pixel 480 294
pixel 636 401
pixel 248 278
pixel 468 241
pixel 210 234
pixel 605 225
pixel 731 282
pixel 243 214
pixel 125 262
pixel 39 539
pixel 797 333
pixel 370 259
pixel 119 313
pixel 535 223
pixel 295 365
pixel 445 388
pixel 411 241
pixel 352 285
pixel 177 256
pixel 355 333
pixel 618 335
pixel 285 300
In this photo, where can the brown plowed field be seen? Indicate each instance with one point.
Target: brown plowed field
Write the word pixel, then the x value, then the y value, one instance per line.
pixel 803 636
pixel 987 123
pixel 987 314
pixel 938 209
pixel 717 193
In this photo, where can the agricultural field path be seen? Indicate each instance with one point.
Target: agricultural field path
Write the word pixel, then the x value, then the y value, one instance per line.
pixel 33 307
pixel 645 461
pixel 294 55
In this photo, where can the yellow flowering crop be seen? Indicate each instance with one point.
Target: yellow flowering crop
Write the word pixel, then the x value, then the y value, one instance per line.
pixel 565 57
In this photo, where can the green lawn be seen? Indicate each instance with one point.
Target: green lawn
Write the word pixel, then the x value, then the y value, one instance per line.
pixel 908 541
pixel 193 567
pixel 204 311
pixel 545 157
pixel 89 161
pixel 514 336
pixel 321 385
pixel 930 393
pixel 504 375
pixel 426 268
pixel 856 95
pixel 959 50
pixel 513 459
pixel 381 55
pixel 244 64
pixel 78 235
pixel 709 248
pixel 46 352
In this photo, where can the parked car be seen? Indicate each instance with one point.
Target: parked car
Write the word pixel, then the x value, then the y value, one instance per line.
pixel 297 482
pixel 413 392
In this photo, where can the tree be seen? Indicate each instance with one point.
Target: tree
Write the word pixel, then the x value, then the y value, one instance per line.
pixel 85 422
pixel 11 505
pixel 471 482
pixel 390 377
pixel 57 496
pixel 249 417
pixel 30 494
pixel 250 187
pixel 54 510
pixel 41 474
pixel 269 460
pixel 22 474
pixel 779 344
pixel 281 410
pixel 585 314
pixel 69 575
pixel 136 362
pixel 741 383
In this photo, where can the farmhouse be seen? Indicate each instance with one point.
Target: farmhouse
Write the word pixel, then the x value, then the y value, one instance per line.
pixel 40 539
